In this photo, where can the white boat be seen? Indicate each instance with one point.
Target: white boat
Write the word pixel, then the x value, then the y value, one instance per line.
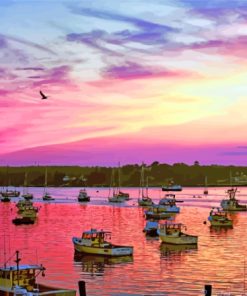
pixel 114 195
pixel 169 204
pixel 171 233
pixel 95 242
pixel 144 199
pixel 46 195
pixel 232 204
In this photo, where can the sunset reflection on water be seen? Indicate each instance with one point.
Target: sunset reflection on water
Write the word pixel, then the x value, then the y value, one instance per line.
pixel 154 269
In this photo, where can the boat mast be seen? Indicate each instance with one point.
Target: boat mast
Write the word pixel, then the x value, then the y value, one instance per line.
pixel 147 187
pixel 119 180
pixel 45 185
pixel 142 181
pixel 17 266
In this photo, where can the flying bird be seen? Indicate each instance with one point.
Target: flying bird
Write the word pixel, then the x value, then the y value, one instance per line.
pixel 42 95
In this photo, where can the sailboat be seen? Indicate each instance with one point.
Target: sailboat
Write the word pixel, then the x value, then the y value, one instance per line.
pixel 116 197
pixel 121 193
pixel 205 192
pixel 25 194
pixel 46 195
pixel 6 194
pixel 145 200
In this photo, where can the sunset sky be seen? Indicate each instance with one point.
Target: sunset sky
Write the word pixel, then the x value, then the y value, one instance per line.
pixel 127 81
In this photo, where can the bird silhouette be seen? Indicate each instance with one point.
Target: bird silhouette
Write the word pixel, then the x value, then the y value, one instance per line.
pixel 42 95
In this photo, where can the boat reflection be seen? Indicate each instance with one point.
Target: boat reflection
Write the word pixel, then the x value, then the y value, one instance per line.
pixel 169 249
pixel 219 229
pixel 96 264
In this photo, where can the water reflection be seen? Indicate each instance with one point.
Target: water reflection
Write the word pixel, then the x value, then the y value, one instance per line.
pixel 96 264
pixel 169 249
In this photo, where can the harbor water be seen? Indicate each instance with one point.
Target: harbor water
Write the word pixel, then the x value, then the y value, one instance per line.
pixel 154 269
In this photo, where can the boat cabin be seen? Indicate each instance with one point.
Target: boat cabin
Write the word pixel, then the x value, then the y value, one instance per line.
pixel 24 276
pixel 218 212
pixel 97 237
pixel 172 228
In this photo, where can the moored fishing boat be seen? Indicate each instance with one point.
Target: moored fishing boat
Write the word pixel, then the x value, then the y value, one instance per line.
pixel 157 212
pixel 83 196
pixel 169 202
pixel 172 233
pixel 218 217
pixel 22 280
pixel 232 204
pixel 94 242
pixel 172 187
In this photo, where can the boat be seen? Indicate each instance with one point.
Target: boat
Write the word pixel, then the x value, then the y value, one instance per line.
pixel 27 214
pixel 232 204
pixel 95 242
pixel 218 217
pixel 22 280
pixel 83 196
pixel 10 193
pixel 46 195
pixel 144 199
pixel 169 202
pixel 26 194
pixel 151 228
pixel 172 187
pixel 5 199
pixel 205 191
pixel 157 213
pixel 172 233
pixel 120 193
pixel 116 197
pixel 26 205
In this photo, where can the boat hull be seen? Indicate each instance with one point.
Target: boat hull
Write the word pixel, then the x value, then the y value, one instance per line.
pixel 112 250
pixel 83 199
pixel 145 203
pixel 24 220
pixel 171 188
pixel 183 239
pixel 116 199
pixel 157 216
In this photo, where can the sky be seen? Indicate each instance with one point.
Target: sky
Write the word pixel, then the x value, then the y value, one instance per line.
pixel 127 81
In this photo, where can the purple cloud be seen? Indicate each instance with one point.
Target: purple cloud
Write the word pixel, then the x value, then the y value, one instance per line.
pixel 135 71
pixel 141 24
pixel 31 69
pixel 57 75
pixel 145 32
pixel 28 43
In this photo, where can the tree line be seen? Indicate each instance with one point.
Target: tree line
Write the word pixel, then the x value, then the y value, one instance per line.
pixel 158 174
